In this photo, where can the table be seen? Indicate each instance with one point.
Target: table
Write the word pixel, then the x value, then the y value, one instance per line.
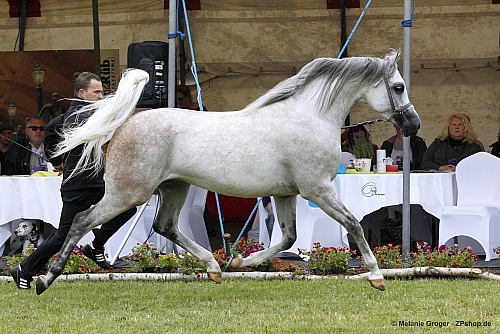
pixel 32 197
pixel 365 193
pixel 39 198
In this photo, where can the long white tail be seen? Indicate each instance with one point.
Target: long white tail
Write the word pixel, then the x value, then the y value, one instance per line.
pixel 108 114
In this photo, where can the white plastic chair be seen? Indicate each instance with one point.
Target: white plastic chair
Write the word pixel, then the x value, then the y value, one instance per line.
pixel 477 213
pixel 191 221
pixel 196 218
pixel 326 230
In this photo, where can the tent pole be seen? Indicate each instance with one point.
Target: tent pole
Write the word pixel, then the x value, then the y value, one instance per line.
pixel 172 60
pixel 97 42
pixel 406 140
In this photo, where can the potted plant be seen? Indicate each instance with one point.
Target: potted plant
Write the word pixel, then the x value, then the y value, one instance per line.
pixel 327 260
pixel 143 257
pixel 167 263
pixel 245 247
pixel 363 152
pixel 189 264
pixel 443 256
pixel 388 256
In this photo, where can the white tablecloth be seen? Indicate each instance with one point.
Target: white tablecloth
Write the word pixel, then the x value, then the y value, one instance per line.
pixel 39 198
pixel 365 193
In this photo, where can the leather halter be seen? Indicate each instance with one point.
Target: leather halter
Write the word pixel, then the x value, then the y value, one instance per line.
pixel 401 110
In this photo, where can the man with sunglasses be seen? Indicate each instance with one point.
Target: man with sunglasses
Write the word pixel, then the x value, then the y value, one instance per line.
pixel 21 159
pixel 78 193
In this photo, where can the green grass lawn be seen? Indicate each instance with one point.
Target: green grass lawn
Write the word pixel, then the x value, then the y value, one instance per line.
pixel 248 306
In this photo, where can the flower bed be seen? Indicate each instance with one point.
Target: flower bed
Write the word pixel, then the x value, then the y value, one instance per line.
pixel 389 256
pixel 324 260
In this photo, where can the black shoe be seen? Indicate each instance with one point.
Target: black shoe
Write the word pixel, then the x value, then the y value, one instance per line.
pixel 22 281
pixel 96 255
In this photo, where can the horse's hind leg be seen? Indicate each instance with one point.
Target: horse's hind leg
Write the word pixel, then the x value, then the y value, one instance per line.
pixel 173 196
pixel 285 209
pixel 330 204
pixel 83 223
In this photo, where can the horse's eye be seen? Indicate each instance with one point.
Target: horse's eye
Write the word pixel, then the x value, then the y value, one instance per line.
pixel 399 87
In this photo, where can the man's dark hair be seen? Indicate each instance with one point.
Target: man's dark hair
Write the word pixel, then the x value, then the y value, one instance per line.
pixel 82 81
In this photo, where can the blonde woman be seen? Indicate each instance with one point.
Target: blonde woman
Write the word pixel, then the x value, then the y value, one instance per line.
pixel 456 142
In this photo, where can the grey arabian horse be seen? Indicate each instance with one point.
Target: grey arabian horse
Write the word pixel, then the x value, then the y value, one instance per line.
pixel 298 121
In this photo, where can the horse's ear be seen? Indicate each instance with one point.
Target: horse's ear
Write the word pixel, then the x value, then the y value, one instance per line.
pixel 398 54
pixel 393 56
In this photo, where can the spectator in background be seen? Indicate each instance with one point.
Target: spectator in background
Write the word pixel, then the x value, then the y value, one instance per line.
pixel 356 134
pixel 21 159
pixel 6 137
pixel 456 142
pixel 495 147
pixel 394 148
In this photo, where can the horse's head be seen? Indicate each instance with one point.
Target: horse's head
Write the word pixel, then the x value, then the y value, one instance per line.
pixel 389 97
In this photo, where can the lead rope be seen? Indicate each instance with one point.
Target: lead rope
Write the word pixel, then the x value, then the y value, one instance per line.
pixel 354 29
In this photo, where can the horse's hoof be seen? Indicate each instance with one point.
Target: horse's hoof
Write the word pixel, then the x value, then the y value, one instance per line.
pixel 215 276
pixel 236 261
pixel 378 284
pixel 41 285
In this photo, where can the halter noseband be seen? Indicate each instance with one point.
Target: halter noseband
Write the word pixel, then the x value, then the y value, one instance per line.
pixel 401 110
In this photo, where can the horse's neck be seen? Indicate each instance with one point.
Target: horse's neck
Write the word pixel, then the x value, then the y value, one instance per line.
pixel 338 111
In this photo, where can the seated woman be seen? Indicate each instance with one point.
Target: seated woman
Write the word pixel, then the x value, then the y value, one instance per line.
pixel 456 142
pixel 356 134
pixel 394 148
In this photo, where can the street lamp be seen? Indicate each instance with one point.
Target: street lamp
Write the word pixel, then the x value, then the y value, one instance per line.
pixel 38 76
pixel 12 112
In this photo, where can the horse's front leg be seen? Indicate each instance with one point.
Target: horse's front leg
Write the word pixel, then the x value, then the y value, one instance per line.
pixel 328 201
pixel 285 209
pixel 173 196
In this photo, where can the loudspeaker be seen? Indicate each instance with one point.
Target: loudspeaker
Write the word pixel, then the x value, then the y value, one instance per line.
pixel 152 57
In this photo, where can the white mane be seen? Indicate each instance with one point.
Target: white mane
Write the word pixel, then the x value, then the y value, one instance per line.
pixel 334 73
pixel 100 127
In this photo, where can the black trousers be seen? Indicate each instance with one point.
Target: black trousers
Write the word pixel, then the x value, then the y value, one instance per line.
pixel 74 203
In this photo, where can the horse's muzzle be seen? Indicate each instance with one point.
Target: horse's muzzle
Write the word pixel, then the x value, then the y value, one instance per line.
pixel 408 121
